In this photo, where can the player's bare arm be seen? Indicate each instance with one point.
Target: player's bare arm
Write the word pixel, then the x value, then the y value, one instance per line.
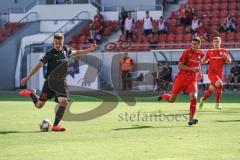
pixel 79 53
pixel 182 66
pixel 32 72
pixel 227 58
pixel 204 60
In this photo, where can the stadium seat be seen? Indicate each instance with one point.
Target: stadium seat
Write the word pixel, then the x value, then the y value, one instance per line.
pixel 215 7
pixel 232 6
pixel 162 37
pixel 107 31
pixel 187 37
pixel 171 38
pixel 223 6
pixel 207 7
pixel 179 37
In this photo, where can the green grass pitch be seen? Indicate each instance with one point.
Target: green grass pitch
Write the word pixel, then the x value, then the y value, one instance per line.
pixel 116 136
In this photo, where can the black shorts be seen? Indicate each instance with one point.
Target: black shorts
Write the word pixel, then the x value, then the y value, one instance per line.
pixel 147 32
pixel 48 93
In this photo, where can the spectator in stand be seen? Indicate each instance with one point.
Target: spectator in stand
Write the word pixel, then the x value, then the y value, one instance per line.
pixel 235 74
pixel 201 32
pixel 182 16
pixel 98 23
pixel 228 25
pixel 148 25
pixel 126 66
pixel 189 14
pixel 122 17
pixel 162 26
pixel 195 24
pixel 94 37
pixel 129 22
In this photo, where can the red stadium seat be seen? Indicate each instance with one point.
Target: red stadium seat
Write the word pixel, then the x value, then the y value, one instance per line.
pixel 187 37
pixel 223 6
pixel 174 14
pixel 215 7
pixel 223 13
pixel 179 37
pixel 207 7
pixel 207 1
pixel 107 31
pixel 180 29
pixel 199 7
pixel 162 38
pixel 232 6
pixel 75 39
pixel 171 37
pixel 231 37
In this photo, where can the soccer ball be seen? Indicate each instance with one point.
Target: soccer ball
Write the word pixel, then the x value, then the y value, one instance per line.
pixel 45 125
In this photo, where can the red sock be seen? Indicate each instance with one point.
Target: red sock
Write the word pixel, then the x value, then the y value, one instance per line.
pixel 219 93
pixel 192 108
pixel 207 94
pixel 166 97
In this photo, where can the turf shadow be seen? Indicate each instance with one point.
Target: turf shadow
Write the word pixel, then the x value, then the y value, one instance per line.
pixel 143 127
pixel 235 120
pixel 8 132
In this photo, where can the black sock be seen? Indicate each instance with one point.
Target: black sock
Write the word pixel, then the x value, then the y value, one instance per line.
pixel 34 98
pixel 59 115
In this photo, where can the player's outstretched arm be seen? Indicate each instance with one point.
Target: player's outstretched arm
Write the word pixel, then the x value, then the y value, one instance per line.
pixel 79 53
pixel 184 67
pixel 32 72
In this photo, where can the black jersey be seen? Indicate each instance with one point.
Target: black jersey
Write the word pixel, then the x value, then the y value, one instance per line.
pixel 55 59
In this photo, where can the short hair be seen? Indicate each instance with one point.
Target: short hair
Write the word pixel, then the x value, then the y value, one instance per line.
pixel 197 39
pixel 147 11
pixel 59 36
pixel 217 38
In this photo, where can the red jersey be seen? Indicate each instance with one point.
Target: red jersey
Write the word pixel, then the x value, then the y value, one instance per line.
pixel 191 59
pixel 216 60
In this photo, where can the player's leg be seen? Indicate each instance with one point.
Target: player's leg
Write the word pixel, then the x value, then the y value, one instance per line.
pixel 219 86
pixel 192 90
pixel 207 94
pixel 178 86
pixel 63 101
pixel 213 78
pixel 38 102
pixel 193 104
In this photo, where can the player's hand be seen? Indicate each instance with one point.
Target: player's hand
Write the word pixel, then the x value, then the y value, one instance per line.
pixel 93 47
pixel 196 69
pixel 225 55
pixel 24 81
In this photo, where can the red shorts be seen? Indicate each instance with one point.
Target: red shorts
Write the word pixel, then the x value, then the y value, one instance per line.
pixel 213 77
pixel 187 85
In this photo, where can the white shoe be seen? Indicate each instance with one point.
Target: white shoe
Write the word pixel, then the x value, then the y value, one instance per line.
pixel 218 106
pixel 201 103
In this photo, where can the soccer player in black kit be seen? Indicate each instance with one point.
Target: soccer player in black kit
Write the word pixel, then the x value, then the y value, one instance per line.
pixel 55 84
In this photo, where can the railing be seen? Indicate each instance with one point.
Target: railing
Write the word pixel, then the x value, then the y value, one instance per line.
pixel 25 19
pixel 157 7
pixel 64 27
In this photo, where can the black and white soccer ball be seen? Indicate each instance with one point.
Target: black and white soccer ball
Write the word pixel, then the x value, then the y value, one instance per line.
pixel 45 125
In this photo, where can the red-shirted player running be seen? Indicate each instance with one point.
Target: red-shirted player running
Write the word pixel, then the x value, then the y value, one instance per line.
pixel 216 58
pixel 187 78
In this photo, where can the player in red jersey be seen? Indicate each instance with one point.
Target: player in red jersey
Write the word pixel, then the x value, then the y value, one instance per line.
pixel 187 78
pixel 216 58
